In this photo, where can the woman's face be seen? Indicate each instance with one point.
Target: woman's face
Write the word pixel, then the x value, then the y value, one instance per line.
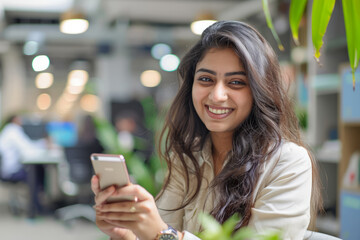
pixel 221 93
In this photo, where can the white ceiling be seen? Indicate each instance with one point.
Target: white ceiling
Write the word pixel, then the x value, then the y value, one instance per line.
pixel 134 22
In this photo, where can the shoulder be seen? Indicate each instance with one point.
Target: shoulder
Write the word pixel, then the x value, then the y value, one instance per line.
pixel 290 147
pixel 11 129
pixel 290 151
pixel 289 157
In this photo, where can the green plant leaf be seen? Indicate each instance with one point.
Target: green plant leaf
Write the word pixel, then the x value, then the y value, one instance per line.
pixel 212 229
pixel 320 16
pixel 107 136
pixel 352 27
pixel 265 5
pixel 229 225
pixel 244 233
pixel 141 173
pixel 209 223
pixel 270 235
pixel 297 8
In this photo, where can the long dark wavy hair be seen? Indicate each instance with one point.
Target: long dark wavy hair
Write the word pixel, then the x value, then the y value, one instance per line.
pixel 271 120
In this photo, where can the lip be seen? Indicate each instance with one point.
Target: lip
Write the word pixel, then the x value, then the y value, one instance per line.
pixel 218 116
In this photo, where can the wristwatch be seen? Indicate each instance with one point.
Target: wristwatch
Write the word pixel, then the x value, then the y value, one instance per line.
pixel 168 234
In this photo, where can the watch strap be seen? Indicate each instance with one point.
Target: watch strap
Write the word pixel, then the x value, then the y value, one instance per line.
pixel 169 230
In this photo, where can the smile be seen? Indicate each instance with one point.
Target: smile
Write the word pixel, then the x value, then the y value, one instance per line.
pixel 219 111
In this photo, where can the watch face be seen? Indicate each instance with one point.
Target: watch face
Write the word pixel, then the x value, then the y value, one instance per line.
pixel 168 236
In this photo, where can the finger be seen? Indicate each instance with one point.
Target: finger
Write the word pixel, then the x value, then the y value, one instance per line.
pixel 124 216
pixel 122 224
pixel 102 196
pixel 123 234
pixel 95 186
pixel 104 224
pixel 129 207
pixel 119 224
pixel 133 190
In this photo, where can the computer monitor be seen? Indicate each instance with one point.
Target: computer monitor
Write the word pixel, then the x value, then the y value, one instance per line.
pixel 62 133
pixel 36 130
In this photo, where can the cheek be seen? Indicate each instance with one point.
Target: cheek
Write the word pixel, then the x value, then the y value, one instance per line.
pixel 250 103
pixel 246 103
pixel 197 96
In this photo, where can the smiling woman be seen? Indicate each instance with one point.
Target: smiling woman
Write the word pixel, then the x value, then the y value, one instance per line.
pixel 221 94
pixel 232 145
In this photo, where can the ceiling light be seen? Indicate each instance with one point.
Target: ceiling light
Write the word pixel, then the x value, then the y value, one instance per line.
pixel 74 89
pixel 78 77
pixel 150 78
pixel 90 103
pixel 30 47
pixel 44 80
pixel 201 23
pixel 159 50
pixel 43 101
pixel 40 63
pixel 169 62
pixel 73 22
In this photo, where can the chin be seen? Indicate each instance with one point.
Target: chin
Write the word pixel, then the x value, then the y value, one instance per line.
pixel 217 129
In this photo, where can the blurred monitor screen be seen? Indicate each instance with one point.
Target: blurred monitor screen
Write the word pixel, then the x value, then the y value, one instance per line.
pixel 35 130
pixel 62 133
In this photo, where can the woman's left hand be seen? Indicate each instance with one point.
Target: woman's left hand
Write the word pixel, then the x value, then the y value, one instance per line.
pixel 141 216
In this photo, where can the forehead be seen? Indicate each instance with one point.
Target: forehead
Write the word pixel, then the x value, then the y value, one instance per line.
pixel 222 59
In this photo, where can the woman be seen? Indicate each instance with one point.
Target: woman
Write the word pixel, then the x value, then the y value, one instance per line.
pixel 238 149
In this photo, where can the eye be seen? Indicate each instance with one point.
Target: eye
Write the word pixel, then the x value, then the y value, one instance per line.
pixel 204 79
pixel 238 83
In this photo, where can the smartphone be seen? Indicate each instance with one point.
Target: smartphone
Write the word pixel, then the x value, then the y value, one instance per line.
pixel 111 170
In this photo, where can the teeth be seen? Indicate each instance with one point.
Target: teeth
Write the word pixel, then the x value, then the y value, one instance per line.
pixel 219 111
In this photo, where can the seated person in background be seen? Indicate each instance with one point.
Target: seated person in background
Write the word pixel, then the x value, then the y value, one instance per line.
pixel 87 136
pixel 133 136
pixel 15 145
pixel 232 144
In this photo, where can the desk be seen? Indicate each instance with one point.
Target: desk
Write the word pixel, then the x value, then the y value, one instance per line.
pixel 51 156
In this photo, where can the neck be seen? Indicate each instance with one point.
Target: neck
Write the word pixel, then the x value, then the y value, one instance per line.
pixel 221 145
pixel 222 142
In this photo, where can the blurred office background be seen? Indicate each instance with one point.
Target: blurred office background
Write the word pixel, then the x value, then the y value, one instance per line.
pixel 121 72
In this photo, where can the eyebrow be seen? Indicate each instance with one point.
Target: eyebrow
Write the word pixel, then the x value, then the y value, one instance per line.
pixel 226 74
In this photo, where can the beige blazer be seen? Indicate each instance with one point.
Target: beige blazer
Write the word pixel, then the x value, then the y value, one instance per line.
pixel 281 198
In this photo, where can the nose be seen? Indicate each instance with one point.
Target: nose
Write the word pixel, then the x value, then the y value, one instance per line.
pixel 219 93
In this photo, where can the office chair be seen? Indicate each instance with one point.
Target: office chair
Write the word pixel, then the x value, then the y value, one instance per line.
pixel 80 173
pixel 311 235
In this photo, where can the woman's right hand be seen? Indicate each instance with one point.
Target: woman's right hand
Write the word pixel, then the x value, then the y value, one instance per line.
pixel 106 227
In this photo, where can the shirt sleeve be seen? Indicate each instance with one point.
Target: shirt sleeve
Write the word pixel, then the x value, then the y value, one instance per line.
pixel 189 236
pixel 172 198
pixel 283 202
pixel 26 147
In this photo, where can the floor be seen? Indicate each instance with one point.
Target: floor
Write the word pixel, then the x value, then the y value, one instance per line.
pixel 43 227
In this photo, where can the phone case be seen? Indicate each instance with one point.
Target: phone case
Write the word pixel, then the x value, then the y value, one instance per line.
pixel 111 170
